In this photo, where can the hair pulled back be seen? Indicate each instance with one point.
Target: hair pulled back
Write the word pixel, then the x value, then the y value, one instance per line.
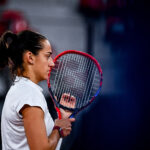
pixel 13 46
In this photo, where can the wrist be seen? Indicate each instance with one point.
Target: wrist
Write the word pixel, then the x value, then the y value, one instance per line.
pixel 59 129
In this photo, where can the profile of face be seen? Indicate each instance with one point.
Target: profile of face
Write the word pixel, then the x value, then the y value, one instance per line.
pixel 43 61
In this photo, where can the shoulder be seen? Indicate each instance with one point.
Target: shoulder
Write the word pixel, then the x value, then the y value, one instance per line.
pixel 24 87
pixel 24 92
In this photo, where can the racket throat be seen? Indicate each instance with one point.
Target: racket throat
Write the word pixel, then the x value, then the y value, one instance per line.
pixel 58 113
pixel 74 113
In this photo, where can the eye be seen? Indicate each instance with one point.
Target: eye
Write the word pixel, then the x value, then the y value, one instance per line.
pixel 48 56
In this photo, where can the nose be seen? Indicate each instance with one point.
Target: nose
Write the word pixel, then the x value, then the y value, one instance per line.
pixel 51 62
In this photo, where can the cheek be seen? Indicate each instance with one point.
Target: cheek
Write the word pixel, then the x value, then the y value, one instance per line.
pixel 45 66
pixel 43 63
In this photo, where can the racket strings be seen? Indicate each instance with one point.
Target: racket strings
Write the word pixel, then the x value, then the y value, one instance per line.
pixel 63 88
pixel 79 78
pixel 77 75
pixel 71 73
pixel 64 82
pixel 83 61
pixel 55 74
pixel 72 90
pixel 62 73
pixel 58 79
pixel 89 69
pixel 89 84
pixel 92 83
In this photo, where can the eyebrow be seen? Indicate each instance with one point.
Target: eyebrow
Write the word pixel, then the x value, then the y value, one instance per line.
pixel 49 53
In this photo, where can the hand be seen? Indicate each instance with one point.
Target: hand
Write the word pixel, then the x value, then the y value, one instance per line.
pixel 65 124
pixel 68 101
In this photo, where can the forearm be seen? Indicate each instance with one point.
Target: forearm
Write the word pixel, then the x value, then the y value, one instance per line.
pixel 62 128
pixel 53 139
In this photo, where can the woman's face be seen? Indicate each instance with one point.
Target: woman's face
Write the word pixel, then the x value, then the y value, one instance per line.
pixel 43 62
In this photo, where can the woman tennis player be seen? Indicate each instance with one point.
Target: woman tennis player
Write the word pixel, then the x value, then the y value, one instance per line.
pixel 26 122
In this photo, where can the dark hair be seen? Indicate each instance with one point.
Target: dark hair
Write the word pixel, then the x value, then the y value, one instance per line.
pixel 13 46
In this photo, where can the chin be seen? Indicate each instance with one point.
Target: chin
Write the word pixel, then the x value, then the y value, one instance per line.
pixel 46 77
pixel 43 78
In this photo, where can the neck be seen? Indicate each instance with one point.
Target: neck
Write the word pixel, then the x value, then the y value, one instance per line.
pixel 27 74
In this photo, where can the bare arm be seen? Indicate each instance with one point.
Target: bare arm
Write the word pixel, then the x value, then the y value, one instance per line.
pixel 33 118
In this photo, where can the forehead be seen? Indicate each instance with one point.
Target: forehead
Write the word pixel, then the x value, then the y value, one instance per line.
pixel 46 46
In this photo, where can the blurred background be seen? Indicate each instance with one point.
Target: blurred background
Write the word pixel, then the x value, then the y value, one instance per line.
pixel 116 33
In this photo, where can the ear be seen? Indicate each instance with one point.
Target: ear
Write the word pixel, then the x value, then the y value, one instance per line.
pixel 29 57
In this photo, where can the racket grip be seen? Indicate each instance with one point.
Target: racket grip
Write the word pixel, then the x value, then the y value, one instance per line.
pixel 72 116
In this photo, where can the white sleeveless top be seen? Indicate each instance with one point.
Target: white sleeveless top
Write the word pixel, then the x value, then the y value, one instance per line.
pixel 24 91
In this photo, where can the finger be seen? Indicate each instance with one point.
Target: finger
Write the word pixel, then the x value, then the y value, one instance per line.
pixel 73 102
pixel 56 98
pixel 68 128
pixel 66 133
pixel 72 119
pixel 62 100
pixel 67 97
pixel 67 100
pixel 64 95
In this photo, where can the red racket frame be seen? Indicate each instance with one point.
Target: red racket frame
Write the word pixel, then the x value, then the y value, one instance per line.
pixel 49 85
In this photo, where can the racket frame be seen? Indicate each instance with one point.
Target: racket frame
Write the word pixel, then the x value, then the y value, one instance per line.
pixel 76 110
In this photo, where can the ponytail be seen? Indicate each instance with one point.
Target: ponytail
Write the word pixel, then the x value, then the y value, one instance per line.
pixel 7 40
pixel 13 46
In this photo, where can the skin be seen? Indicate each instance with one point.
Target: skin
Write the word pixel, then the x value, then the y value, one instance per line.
pixel 68 101
pixel 36 69
pixel 37 66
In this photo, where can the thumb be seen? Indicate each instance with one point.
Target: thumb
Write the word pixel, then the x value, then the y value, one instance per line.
pixel 72 119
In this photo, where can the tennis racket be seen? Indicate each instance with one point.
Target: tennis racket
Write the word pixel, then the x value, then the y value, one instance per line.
pixel 78 74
